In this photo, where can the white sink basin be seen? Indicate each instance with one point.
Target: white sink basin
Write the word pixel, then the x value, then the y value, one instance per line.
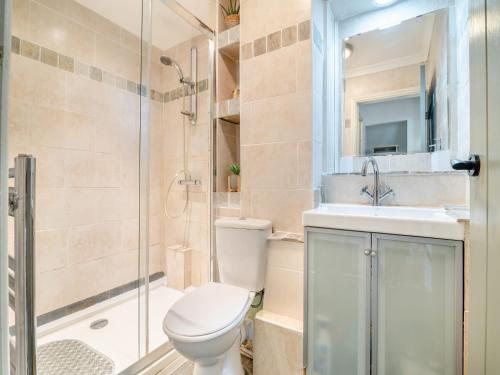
pixel 408 221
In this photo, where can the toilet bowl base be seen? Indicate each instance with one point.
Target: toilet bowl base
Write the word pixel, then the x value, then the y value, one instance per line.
pixel 230 364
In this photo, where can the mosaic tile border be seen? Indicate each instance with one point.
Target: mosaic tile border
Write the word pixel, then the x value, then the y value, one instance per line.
pixel 276 40
pixel 90 301
pixel 71 65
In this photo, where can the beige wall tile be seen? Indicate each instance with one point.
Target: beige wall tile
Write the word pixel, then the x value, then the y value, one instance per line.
pixel 283 207
pixel 53 30
pixel 20 18
pixel 271 166
pixel 289 36
pixel 51 250
pixel 37 83
pixel 284 292
pixel 274 41
pixel 259 46
pixel 277 349
pixel 284 118
pixel 269 75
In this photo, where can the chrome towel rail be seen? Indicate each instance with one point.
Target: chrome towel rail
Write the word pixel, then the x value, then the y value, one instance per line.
pixel 22 280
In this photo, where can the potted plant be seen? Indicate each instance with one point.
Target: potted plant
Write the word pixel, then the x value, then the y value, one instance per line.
pixel 234 180
pixel 231 13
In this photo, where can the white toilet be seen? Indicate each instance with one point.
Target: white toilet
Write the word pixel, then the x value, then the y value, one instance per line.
pixel 206 325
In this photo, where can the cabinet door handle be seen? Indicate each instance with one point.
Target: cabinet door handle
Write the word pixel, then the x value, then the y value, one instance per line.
pixel 373 253
pixel 368 253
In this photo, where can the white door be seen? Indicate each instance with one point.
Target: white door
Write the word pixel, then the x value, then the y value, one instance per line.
pixel 484 305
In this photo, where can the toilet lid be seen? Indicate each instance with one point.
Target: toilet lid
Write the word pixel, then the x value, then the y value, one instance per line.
pixel 206 310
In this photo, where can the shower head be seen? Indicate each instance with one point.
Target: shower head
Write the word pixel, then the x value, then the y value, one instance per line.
pixel 169 62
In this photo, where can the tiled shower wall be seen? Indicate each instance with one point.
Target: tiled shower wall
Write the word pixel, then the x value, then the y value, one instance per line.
pixel 75 105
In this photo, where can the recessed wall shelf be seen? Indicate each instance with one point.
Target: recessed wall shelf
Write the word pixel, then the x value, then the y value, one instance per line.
pixel 229 110
pixel 229 42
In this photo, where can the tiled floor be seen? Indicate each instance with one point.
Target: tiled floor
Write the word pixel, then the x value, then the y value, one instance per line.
pixel 119 339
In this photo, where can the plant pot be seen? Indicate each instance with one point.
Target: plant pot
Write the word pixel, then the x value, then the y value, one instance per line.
pixel 233 183
pixel 232 20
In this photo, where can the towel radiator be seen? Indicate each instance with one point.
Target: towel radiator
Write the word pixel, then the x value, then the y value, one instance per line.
pixel 22 266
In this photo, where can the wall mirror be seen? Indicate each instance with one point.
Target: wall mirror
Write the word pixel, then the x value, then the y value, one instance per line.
pixel 403 87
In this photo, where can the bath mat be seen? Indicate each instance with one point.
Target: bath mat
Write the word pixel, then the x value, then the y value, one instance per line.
pixel 72 357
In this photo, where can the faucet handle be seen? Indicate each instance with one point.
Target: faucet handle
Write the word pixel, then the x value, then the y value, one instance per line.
pixel 366 191
pixel 387 192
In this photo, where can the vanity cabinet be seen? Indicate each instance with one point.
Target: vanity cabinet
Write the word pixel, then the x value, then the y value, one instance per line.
pixel 382 304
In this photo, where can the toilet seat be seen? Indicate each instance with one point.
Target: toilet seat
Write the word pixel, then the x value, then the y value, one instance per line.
pixel 207 312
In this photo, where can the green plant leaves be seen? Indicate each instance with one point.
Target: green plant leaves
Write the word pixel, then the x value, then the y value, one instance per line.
pixel 235 169
pixel 232 9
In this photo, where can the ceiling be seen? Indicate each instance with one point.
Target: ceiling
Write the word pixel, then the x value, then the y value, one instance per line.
pixel 344 9
pixel 168 28
pixel 401 45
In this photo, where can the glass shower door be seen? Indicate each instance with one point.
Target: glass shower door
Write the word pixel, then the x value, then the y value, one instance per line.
pixel 79 105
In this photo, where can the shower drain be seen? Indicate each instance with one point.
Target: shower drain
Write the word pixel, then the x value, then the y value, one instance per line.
pixel 98 324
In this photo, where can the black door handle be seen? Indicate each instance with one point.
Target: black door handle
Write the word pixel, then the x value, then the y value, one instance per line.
pixel 473 165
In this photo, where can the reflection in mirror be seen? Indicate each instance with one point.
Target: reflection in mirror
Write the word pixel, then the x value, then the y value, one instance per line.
pixel 396 88
pixel 399 85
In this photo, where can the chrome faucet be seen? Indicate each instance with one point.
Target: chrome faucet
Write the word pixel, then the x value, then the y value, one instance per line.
pixel 379 192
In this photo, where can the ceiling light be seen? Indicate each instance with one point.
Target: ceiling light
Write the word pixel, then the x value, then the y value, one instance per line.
pixel 348 50
pixel 383 3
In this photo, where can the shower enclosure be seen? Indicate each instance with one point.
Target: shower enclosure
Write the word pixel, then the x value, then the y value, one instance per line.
pixel 112 101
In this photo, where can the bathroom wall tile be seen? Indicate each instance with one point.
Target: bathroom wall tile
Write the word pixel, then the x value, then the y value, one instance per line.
pixel 15 45
pixel 284 292
pixel 51 249
pixel 78 169
pixel 283 207
pixel 270 75
pixel 66 63
pixel 94 21
pixel 53 30
pixel 40 83
pixel 95 74
pixel 274 41
pixel 305 164
pixel 289 36
pixel 49 57
pixel 108 78
pixel 81 68
pixel 286 255
pixel 263 165
pixel 246 51
pixel 121 83
pixel 20 18
pixel 304 66
pixel 277 346
pixel 277 119
pixel 30 50
pixel 259 46
pixel 304 30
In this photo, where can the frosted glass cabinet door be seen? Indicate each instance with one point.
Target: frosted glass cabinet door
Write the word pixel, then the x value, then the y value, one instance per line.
pixel 337 308
pixel 417 323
